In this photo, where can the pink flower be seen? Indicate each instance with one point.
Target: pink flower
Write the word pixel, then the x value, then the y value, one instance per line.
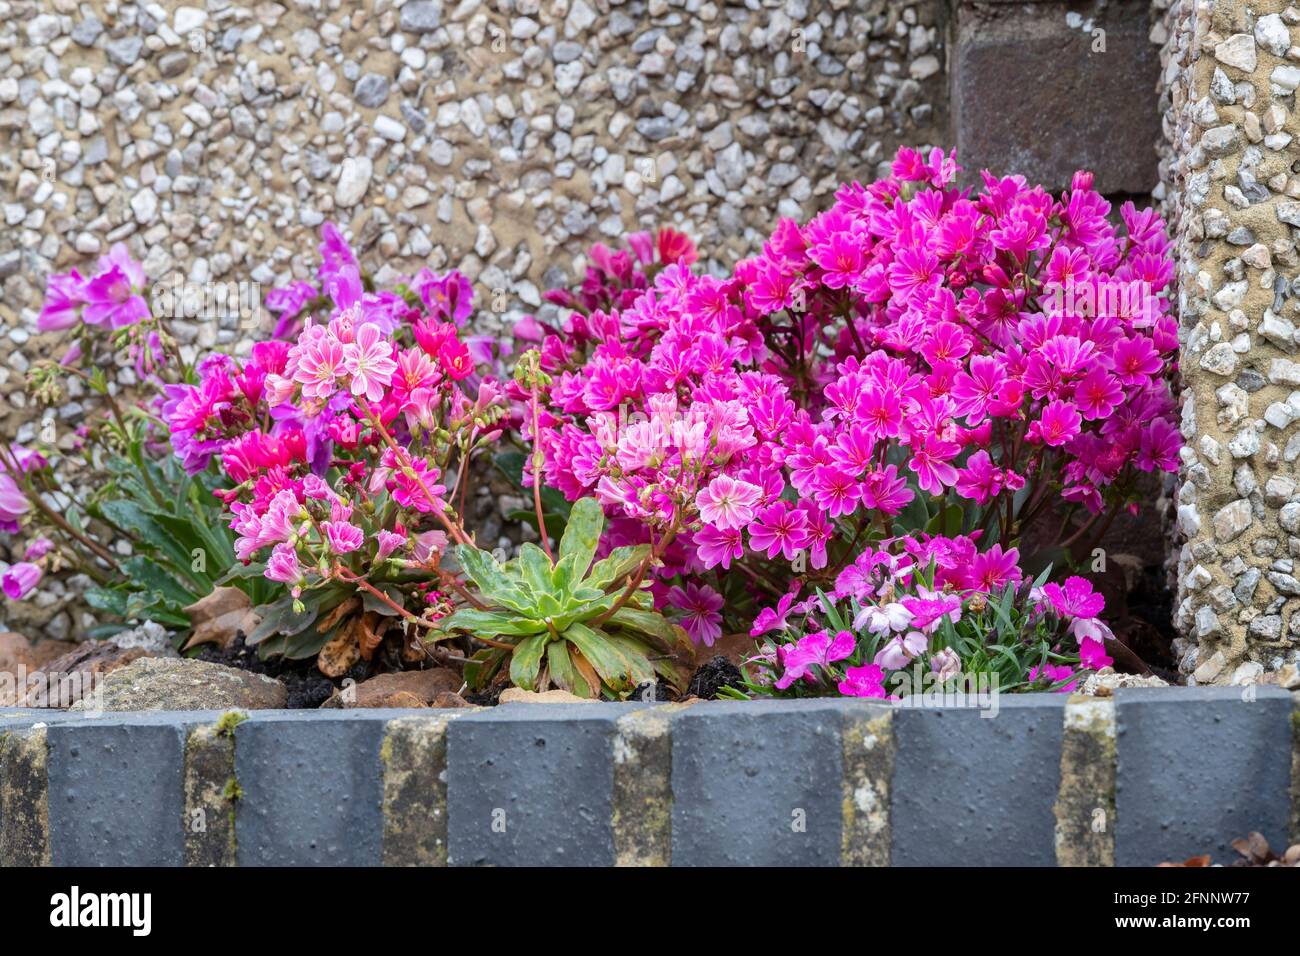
pixel 864 681
pixel 994 569
pixel 901 650
pixel 1092 654
pixel 20 580
pixel 283 565
pixel 428 545
pixel 1075 599
pixel 343 536
pixel 773 620
pixel 1058 425
pixel 388 543
pixel 727 503
pixel 38 549
pixel 813 650
pixel 699 605
pixel 779 530
pixel 945 664
pixel 13 504
pixel 319 366
pixel 369 360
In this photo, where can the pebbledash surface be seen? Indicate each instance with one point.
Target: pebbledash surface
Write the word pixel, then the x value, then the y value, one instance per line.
pixel 1043 780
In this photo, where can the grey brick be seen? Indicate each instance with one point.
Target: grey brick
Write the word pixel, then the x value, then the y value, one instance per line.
pixel 115 791
pixel 311 788
pixel 1198 767
pixel 758 784
pixel 978 791
pixel 533 784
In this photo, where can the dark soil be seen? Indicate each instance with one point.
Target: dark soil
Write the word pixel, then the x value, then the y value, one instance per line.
pixel 308 687
pixel 712 675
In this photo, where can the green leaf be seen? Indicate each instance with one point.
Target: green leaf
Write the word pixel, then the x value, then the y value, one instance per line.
pixel 492 579
pixel 107 599
pixel 130 517
pixel 652 624
pixel 280 618
pixel 511 464
pixel 620 562
pixel 564 674
pixel 611 664
pixel 483 666
pixel 527 660
pixel 535 567
pixel 643 672
pixel 145 571
pixel 492 623
pixel 582 533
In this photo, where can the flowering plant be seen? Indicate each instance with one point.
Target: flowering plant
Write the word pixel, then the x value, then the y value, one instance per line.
pixel 146 533
pixel 337 449
pixel 917 358
pixel 928 604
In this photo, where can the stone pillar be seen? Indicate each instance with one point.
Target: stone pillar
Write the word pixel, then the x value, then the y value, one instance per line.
pixel 1231 190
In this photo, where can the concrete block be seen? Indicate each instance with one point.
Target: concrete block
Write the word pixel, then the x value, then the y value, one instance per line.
pixel 970 790
pixel 758 784
pixel 533 784
pixel 311 787
pixel 1197 767
pixel 116 791
pixel 1035 95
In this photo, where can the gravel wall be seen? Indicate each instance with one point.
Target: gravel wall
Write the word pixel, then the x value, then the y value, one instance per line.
pixel 1231 70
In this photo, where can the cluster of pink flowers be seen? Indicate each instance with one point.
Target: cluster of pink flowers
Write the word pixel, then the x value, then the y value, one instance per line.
pixel 906 601
pixel 914 344
pixel 335 444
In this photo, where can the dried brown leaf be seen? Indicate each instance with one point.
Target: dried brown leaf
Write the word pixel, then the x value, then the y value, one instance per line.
pixel 339 656
pixel 220 616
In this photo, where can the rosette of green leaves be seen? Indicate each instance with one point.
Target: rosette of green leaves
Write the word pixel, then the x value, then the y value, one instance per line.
pixel 567 624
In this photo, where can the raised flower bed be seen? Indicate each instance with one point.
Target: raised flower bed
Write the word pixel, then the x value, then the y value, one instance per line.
pixel 1152 775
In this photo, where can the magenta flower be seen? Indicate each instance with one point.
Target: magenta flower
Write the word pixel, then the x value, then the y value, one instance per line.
pixel 20 580
pixel 864 681
pixel 717 548
pixel 779 530
pixel 769 619
pixel 1075 599
pixel 813 650
pixel 700 606
pixel 1059 424
pixel 1098 394
pixel 65 294
pixel 994 569
pixel 112 294
pixel 1052 674
pixel 1092 654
